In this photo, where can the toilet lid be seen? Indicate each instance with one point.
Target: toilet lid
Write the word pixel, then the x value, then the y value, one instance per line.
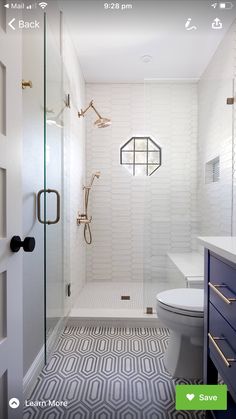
pixel 187 299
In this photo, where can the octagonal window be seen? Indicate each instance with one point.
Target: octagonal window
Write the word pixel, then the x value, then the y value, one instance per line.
pixel 141 156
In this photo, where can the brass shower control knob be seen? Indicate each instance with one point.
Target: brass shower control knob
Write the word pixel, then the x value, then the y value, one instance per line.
pixel 26 84
pixel 82 219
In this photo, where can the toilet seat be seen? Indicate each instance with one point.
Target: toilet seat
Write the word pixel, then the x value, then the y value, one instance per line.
pixel 185 301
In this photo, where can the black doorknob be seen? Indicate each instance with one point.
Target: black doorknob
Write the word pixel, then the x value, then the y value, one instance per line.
pixel 28 244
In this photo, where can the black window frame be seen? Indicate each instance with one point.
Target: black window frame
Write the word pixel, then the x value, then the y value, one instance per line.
pixel 147 151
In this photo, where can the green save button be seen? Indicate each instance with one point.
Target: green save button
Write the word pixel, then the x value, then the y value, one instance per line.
pixel 201 397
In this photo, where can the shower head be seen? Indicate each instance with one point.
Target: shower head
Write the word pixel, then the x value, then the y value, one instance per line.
pixel 54 121
pixel 100 122
pixel 97 175
pixel 57 121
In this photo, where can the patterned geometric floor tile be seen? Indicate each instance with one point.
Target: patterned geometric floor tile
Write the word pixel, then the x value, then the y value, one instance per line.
pixel 108 373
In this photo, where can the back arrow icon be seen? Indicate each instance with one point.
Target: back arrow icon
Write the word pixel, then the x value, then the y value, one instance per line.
pixel 10 24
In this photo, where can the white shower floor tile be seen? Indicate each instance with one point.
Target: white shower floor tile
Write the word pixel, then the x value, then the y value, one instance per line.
pixel 103 299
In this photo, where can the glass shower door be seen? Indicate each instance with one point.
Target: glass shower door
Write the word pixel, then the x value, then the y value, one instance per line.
pixel 191 194
pixel 53 186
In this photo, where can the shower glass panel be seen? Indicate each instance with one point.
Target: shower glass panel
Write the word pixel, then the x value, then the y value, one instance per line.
pixel 32 181
pixel 193 126
pixel 53 197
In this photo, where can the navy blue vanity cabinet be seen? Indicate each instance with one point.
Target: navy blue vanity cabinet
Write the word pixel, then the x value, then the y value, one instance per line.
pixel 220 327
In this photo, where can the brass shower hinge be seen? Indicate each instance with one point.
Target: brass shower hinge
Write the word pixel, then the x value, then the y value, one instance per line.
pixel 230 100
pixel 26 84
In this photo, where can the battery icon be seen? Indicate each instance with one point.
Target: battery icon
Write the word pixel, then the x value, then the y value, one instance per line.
pixel 226 6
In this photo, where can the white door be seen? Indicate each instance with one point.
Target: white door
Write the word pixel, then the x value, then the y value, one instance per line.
pixel 10 216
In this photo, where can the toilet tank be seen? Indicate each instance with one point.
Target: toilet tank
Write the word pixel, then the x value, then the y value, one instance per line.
pixel 195 282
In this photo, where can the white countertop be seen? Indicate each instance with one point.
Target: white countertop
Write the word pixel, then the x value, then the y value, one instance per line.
pixel 189 264
pixel 222 246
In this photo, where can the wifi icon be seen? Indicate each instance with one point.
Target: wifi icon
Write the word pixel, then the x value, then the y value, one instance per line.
pixel 43 5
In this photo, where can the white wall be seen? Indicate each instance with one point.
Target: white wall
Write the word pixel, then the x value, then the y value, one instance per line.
pixel 215 139
pixel 163 206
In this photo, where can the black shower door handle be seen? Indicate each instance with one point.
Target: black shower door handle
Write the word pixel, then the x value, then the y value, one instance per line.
pixel 58 215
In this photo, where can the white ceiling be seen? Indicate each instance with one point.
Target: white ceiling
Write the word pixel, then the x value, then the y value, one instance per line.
pixel 110 43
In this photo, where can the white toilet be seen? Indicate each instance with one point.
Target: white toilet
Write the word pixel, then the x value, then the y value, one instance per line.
pixel 181 311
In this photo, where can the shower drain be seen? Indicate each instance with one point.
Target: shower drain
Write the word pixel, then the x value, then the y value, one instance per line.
pixel 149 310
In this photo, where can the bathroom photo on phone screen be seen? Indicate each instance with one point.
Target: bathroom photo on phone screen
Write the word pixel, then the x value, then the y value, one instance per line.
pixel 117 209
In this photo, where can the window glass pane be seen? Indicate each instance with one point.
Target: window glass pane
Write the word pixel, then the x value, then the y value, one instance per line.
pixel 140 170
pixel 127 157
pixel 153 157
pixel 151 168
pixel 141 144
pixel 151 145
pixel 129 146
pixel 141 157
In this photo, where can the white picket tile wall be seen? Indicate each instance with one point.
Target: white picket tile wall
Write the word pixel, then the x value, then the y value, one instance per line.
pixel 215 139
pixel 136 220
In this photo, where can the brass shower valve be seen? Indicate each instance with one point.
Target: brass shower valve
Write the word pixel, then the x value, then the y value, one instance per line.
pixel 82 219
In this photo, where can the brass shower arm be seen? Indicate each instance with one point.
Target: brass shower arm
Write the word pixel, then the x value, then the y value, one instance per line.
pixel 66 102
pixel 95 110
pixel 83 112
pixel 100 122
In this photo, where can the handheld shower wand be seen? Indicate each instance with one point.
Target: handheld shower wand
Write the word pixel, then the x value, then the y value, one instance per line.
pixel 97 175
pixel 84 218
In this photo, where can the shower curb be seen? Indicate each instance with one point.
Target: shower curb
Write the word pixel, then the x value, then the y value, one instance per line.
pixel 114 322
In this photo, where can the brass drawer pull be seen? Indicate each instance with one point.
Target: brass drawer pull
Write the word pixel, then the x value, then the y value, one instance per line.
pixel 226 360
pixel 221 295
